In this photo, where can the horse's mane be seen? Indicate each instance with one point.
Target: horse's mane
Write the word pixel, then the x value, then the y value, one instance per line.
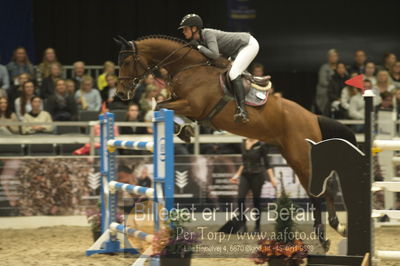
pixel 160 36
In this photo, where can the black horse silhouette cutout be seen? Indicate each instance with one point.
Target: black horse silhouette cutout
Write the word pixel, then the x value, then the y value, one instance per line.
pixel 341 158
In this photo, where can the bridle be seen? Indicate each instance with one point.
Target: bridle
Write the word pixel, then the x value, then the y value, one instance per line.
pixel 147 69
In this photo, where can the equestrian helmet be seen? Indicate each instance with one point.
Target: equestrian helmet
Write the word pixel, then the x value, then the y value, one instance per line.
pixel 191 20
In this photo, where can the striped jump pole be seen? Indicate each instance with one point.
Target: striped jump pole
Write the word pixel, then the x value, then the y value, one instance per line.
pixel 162 191
pixel 137 190
pixel 116 227
pixel 131 145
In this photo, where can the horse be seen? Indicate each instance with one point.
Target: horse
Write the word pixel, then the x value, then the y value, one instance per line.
pixel 196 93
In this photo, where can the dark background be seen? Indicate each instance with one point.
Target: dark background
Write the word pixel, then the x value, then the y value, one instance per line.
pixel 294 36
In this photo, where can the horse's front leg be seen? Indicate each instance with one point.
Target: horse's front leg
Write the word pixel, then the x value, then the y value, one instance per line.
pixel 182 108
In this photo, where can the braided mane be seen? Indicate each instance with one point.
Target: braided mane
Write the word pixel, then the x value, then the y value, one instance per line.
pixel 159 36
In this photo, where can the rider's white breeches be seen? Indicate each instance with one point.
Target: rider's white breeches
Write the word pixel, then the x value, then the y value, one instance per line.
pixel 244 58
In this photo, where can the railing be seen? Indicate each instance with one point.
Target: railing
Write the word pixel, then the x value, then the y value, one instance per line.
pixel 91 138
pixel 93 71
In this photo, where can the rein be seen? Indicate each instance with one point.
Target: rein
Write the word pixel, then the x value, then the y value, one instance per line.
pixel 150 70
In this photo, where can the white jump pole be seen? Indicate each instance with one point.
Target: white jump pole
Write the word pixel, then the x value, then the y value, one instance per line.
pixel 387 255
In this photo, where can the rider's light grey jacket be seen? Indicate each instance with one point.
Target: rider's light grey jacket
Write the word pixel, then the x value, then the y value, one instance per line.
pixel 222 43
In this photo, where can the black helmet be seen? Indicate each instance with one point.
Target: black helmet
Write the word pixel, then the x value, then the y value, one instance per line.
pixel 191 20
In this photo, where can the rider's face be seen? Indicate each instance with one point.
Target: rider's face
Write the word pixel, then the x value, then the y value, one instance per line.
pixel 187 32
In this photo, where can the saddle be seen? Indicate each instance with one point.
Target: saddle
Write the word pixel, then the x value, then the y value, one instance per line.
pixel 257 88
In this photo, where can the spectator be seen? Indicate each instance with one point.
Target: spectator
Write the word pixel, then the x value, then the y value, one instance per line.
pixel 109 94
pixel 49 83
pixel 383 82
pixel 7 116
pixel 147 98
pixel 251 175
pixel 109 68
pixel 71 87
pixel 37 115
pixel 345 96
pixel 44 68
pixel 125 174
pixel 356 109
pixel 143 179
pixel 132 115
pixel 360 58
pixel 389 59
pixel 23 103
pixel 87 97
pixel 160 98
pixel 78 73
pixel 370 72
pixel 16 90
pixel 19 64
pixel 397 101
pixel 61 105
pixel 161 80
pixel 141 88
pixel 4 81
pixel 257 70
pixel 324 75
pixel 395 74
pixel 336 84
pixel 387 102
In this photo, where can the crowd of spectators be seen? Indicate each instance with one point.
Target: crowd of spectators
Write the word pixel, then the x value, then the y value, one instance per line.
pixel 44 93
pixel 335 99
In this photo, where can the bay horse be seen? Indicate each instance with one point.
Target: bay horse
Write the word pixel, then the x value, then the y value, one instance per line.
pixel 196 91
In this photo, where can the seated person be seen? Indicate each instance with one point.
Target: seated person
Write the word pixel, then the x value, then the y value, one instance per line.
pixel 37 115
pixel 87 97
pixel 23 103
pixel 357 106
pixel 387 102
pixel 49 83
pixel 336 84
pixel 109 96
pixel 7 116
pixel 143 179
pixel 109 68
pixel 132 115
pixel 61 105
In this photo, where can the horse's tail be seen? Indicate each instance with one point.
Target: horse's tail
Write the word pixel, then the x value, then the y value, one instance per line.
pixel 333 129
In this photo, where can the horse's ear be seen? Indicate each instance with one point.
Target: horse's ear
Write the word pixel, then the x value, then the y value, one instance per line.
pixel 123 42
pixel 117 40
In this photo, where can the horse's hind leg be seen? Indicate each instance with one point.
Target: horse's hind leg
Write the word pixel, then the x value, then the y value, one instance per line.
pixel 298 158
pixel 331 190
pixel 318 225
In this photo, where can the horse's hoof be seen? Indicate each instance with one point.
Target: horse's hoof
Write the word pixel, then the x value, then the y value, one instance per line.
pixel 186 133
pixel 177 128
pixel 326 244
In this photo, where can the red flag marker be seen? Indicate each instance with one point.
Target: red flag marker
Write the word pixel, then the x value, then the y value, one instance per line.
pixel 357 81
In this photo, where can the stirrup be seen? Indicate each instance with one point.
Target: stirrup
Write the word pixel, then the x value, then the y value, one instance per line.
pixel 241 116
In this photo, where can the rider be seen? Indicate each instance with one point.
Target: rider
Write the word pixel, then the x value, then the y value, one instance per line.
pixel 238 45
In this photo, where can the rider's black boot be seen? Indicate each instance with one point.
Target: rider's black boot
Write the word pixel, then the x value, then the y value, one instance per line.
pixel 238 89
